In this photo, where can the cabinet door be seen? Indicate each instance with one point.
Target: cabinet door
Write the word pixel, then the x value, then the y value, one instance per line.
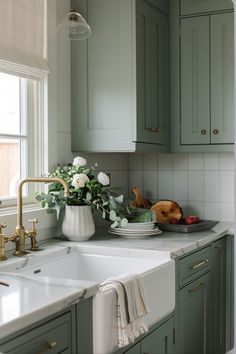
pixel 192 6
pixel 103 86
pixel 152 74
pixel 160 341
pixel 222 78
pixel 218 296
pixel 194 317
pixel 194 76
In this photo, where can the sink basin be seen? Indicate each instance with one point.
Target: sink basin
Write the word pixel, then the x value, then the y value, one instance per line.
pixel 84 262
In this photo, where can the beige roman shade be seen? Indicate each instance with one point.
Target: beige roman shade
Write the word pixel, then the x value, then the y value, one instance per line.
pixel 23 37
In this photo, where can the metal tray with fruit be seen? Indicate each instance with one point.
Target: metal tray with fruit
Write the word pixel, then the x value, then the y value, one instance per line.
pixel 187 225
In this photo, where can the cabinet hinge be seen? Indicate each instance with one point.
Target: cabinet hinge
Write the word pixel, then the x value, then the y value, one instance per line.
pixel 173 335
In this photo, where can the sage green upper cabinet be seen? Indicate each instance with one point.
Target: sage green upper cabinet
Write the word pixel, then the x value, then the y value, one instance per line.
pixel 120 78
pixel 202 80
pixel 195 100
pixel 222 78
pixel 188 7
pixel 152 75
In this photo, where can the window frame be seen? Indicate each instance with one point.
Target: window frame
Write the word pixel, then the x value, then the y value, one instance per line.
pixel 33 117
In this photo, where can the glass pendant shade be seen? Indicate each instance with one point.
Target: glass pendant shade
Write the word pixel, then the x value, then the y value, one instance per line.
pixel 74 27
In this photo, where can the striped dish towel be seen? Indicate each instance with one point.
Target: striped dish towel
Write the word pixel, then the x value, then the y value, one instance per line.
pixel 131 306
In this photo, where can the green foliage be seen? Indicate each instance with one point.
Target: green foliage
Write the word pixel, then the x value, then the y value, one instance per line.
pixel 86 187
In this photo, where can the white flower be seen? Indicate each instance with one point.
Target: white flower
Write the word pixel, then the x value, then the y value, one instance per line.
pixel 103 179
pixel 79 161
pixel 79 180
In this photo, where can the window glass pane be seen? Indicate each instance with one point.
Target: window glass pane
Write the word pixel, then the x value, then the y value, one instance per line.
pixel 9 104
pixel 10 166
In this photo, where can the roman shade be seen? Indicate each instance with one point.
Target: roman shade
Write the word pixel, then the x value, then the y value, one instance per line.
pixel 23 37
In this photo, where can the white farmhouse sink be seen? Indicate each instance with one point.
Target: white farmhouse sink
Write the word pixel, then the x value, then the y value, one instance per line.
pixel 91 263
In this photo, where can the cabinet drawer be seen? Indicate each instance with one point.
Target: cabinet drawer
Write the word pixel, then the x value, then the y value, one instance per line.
pixel 188 7
pixel 194 265
pixel 52 337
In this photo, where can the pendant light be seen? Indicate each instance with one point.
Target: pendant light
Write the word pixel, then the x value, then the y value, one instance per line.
pixel 74 27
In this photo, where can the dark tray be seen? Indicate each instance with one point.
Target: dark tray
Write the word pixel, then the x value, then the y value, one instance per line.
pixel 202 225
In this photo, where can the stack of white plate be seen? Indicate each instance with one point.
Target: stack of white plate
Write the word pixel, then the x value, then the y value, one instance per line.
pixel 136 230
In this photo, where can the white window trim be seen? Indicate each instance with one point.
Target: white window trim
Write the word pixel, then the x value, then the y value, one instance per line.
pixel 38 138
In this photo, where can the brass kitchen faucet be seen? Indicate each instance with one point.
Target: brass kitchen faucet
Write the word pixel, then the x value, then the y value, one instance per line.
pixel 20 233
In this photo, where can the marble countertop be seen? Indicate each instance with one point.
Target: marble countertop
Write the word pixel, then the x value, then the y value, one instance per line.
pixel 175 243
pixel 27 299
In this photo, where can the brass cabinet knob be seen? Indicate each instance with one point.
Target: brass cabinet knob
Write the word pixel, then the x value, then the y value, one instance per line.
pixel 154 130
pixel 203 132
pixel 215 131
pixel 49 345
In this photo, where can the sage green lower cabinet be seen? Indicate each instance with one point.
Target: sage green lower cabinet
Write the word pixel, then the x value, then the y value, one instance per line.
pixel 205 299
pixel 55 336
pixel 159 341
pixel 194 317
pixel 67 332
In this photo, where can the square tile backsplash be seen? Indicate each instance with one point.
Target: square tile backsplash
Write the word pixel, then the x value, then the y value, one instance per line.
pixel 203 184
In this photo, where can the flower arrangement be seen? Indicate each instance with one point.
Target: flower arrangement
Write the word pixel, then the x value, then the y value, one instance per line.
pixel 86 187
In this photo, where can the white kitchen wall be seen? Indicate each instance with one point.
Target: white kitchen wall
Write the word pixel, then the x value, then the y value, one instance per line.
pixel 203 184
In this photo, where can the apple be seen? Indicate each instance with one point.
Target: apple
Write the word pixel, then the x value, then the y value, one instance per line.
pixel 191 219
pixel 174 221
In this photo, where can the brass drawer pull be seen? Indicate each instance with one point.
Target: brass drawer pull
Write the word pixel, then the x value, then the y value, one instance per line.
pixel 203 132
pixel 200 285
pixel 49 345
pixel 199 265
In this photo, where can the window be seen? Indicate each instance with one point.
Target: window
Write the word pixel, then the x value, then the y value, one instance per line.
pixel 20 138
pixel 23 78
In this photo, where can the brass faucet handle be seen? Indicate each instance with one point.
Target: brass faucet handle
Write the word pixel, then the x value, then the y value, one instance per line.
pixel 33 222
pixel 3 240
pixel 2 226
pixel 32 234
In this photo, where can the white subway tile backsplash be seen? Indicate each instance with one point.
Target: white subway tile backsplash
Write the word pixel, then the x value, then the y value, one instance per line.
pixel 165 161
pixel 196 208
pixel 211 186
pixel 211 211
pixel 226 186
pixel 211 162
pixel 119 179
pixel 195 162
pixel 180 161
pixel 150 184
pixel 195 186
pixel 227 211
pixel 150 162
pixel 136 161
pixel 227 161
pixel 165 184
pixel 203 184
pixel 180 185
pixel 135 179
